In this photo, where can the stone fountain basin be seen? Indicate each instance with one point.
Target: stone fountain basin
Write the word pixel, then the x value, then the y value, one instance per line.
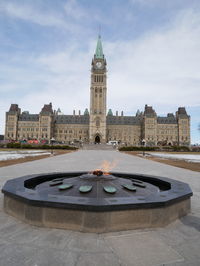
pixel 33 200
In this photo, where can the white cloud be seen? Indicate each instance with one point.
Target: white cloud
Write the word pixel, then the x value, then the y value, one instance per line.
pixel 160 68
pixel 74 10
pixel 35 15
pixel 145 2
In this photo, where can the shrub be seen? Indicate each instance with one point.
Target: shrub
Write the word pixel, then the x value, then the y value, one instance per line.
pixel 43 146
pixel 162 148
pixel 2 145
pixel 17 145
pixel 66 147
pixel 14 145
pixel 196 148
pixel 180 148
pixel 166 148
pixel 27 146
pixel 137 148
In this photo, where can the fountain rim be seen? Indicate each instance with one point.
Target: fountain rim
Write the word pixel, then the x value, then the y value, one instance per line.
pixel 15 188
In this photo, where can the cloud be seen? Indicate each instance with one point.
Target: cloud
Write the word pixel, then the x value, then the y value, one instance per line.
pixel 160 68
pixel 144 2
pixel 67 15
pixel 35 15
pixel 74 10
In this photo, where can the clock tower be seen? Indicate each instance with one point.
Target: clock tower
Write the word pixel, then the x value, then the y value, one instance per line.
pixel 98 91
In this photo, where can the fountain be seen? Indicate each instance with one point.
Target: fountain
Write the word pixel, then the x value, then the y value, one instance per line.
pixel 96 201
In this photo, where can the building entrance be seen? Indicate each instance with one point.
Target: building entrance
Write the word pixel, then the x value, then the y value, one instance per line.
pixel 97 139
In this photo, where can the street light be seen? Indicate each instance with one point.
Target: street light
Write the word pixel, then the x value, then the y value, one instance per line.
pixel 52 141
pixel 143 145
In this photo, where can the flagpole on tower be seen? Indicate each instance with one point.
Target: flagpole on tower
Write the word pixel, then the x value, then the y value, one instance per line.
pixel 99 30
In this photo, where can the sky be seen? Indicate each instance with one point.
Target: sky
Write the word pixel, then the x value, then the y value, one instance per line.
pixel 152 48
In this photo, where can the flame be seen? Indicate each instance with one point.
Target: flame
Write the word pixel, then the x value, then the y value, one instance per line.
pixel 107 166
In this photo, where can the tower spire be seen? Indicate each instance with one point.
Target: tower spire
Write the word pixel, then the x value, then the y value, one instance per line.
pixel 99 49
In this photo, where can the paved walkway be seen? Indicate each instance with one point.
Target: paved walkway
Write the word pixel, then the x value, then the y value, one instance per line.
pixel 175 245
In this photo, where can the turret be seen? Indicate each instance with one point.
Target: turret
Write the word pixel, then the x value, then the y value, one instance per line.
pixel 149 126
pixel 46 122
pixel 183 120
pixel 11 127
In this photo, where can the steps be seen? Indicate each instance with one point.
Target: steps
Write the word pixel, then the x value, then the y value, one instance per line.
pixel 98 147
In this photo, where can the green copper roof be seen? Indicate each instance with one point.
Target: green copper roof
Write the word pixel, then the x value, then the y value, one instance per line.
pixel 99 49
pixel 110 112
pixel 86 112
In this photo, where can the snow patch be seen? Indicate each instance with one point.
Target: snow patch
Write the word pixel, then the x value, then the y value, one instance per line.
pixel 187 157
pixel 11 155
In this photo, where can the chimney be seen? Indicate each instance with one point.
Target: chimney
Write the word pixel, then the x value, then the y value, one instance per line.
pixel 79 112
pixel 122 113
pixel 74 113
pixel 116 113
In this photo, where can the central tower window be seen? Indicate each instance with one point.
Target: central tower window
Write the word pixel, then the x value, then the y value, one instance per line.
pixel 98 78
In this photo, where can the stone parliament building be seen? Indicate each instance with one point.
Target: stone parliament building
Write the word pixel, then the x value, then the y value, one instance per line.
pixel 98 125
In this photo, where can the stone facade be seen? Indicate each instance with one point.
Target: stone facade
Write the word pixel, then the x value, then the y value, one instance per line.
pixel 98 125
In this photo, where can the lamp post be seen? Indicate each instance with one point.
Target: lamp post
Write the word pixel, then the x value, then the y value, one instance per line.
pixel 143 145
pixel 52 141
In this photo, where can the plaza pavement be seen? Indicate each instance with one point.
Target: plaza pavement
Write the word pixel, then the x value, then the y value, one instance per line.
pixel 177 244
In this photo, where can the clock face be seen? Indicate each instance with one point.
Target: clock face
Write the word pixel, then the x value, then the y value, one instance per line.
pixel 98 64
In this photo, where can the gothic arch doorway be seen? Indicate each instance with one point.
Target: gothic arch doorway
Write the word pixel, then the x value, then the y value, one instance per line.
pixel 97 139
